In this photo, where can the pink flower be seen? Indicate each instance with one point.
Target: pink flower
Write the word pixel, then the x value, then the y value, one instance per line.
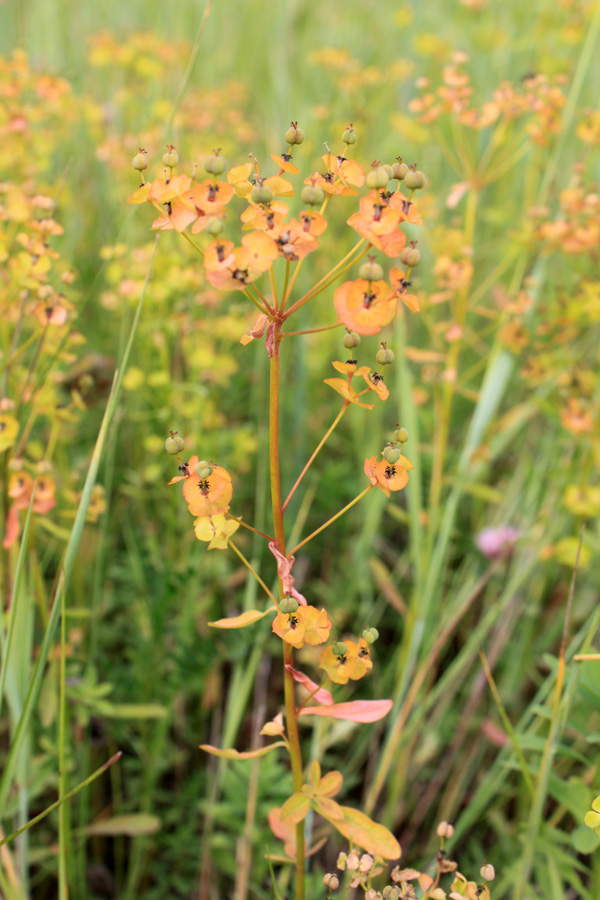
pixel 497 542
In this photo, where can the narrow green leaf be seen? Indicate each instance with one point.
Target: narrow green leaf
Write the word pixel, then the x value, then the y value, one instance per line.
pixel 131 825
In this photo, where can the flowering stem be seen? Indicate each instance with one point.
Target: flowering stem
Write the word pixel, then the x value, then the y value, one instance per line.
pixel 286 282
pixel 291 714
pixel 310 330
pixel 251 569
pixel 332 520
pixel 249 527
pixel 261 308
pixel 312 458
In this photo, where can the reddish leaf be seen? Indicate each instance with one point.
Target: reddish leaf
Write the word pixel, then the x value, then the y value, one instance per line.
pixel 355 711
pixel 321 696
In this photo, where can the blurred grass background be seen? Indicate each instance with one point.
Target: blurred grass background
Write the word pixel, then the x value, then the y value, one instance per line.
pixel 144 674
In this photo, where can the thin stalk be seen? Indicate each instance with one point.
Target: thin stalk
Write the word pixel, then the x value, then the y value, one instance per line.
pixel 60 802
pixel 63 885
pixel 249 527
pixel 274 297
pixel 312 458
pixel 288 653
pixel 285 334
pixel 337 270
pixel 251 569
pixel 332 520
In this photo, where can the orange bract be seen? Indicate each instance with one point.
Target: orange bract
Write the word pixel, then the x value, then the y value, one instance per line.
pixel 388 477
pixel 305 624
pixel 399 284
pixel 205 497
pixel 365 306
pixel 355 663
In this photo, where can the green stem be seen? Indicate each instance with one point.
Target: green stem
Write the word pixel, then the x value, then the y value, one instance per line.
pixel 249 527
pixel 332 520
pixel 344 264
pixel 310 330
pixel 291 714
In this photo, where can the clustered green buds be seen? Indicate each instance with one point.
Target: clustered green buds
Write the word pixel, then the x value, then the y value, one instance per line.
pixel 261 192
pixel 312 195
pixel 384 357
pixel 294 135
pixel 171 157
pixel 288 605
pixel 215 164
pixel 378 177
pixel 414 179
pixel 351 340
pixel 410 256
pixel 370 635
pixel 339 649
pixel 140 161
pixel 392 454
pixel 174 444
pixel 331 881
pixel 399 169
pixel 349 135
pixel 371 270
pixel 204 470
pixel 401 435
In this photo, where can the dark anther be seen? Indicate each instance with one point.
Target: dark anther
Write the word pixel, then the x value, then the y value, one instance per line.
pixel 351 362
pixel 168 206
pixel 368 299
pixel 240 275
pixel 220 252
pixel 390 471
pixel 286 157
pixel 329 176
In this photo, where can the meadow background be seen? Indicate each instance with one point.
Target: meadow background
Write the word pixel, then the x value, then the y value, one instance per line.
pixel 512 440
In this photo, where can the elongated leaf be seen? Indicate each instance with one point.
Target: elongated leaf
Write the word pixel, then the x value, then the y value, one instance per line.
pixel 321 695
pixel 130 825
pixel 295 809
pixel 374 838
pixel 355 711
pixel 244 619
pixel 135 711
pixel 230 753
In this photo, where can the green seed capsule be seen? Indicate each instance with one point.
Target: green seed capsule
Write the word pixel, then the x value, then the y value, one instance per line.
pixel 385 357
pixel 215 165
pixel 312 195
pixel 351 340
pixel 401 435
pixel 261 193
pixel 140 161
pixel 377 178
pixel 170 158
pixel 349 135
pixel 288 605
pixel 339 649
pixel 215 225
pixel 371 271
pixel 411 257
pixel 392 455
pixel 294 135
pixel 174 444
pixel 399 169
pixel 414 181
pixel 203 469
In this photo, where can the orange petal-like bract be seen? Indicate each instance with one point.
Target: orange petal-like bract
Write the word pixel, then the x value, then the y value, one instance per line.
pixel 365 306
